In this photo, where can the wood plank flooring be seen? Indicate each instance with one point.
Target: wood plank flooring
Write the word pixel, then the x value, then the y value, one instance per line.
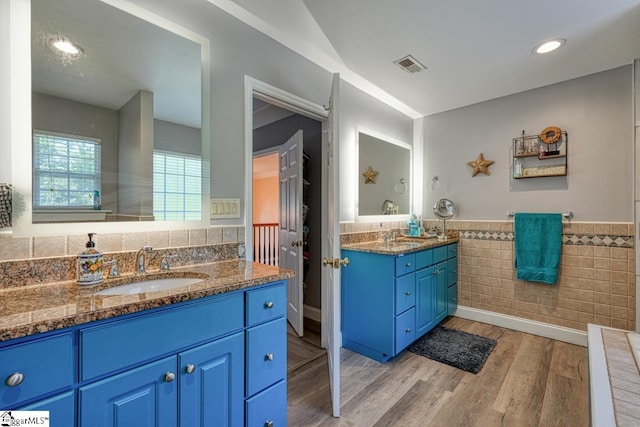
pixel 526 381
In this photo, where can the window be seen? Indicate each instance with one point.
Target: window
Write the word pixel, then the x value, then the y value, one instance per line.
pixel 177 186
pixel 66 170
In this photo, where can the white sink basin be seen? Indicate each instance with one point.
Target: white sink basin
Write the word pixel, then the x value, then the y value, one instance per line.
pixel 152 285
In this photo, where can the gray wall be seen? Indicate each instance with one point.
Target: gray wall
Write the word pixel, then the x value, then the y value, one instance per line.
pixel 135 162
pixel 237 50
pixel 596 112
pixel 176 138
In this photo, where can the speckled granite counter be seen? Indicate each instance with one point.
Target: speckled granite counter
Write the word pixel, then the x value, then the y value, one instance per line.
pixel 31 309
pixel 404 245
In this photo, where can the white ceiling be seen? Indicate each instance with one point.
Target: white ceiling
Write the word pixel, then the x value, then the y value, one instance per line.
pixel 474 50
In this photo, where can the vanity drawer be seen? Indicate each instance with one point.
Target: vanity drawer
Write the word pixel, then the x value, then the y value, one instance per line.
pixel 117 345
pixel 266 356
pixel 405 292
pixel 405 264
pixel 268 408
pixel 440 254
pixel 266 303
pixel 424 259
pixel 452 271
pixel 46 365
pixel 452 250
pixel 405 329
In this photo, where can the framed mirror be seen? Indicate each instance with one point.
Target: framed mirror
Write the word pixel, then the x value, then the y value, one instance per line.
pixel 116 137
pixel 384 177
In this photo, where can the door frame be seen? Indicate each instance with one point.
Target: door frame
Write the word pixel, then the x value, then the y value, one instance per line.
pixel 283 99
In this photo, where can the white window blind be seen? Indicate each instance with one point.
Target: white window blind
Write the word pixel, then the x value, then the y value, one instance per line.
pixel 66 170
pixel 177 186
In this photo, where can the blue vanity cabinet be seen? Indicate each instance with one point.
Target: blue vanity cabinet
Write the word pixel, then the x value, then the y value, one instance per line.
pixel 389 301
pixel 369 308
pixel 218 360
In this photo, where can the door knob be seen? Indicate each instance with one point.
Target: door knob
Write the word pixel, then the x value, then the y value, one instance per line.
pixel 190 368
pixel 169 376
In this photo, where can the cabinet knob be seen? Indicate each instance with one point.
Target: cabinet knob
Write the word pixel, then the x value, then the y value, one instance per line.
pixel 169 376
pixel 408 264
pixel 268 304
pixel 190 368
pixel 268 423
pixel 268 356
pixel 408 330
pixel 15 379
pixel 436 272
pixel 408 293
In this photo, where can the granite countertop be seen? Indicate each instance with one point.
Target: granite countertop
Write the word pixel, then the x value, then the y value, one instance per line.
pixel 404 245
pixel 32 309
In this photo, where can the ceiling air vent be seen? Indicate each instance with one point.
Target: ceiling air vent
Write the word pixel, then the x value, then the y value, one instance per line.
pixel 410 64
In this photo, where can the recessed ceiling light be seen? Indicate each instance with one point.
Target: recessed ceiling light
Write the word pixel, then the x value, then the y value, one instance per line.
pixel 549 46
pixel 66 46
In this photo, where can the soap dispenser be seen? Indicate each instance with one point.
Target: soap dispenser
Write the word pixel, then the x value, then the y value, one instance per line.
pixel 89 264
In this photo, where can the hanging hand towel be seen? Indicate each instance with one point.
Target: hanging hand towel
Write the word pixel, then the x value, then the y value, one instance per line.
pixel 538 241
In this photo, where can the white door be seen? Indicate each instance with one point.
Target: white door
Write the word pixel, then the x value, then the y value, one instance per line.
pixel 291 225
pixel 331 336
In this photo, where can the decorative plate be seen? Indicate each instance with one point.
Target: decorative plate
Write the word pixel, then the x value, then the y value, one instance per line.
pixel 550 134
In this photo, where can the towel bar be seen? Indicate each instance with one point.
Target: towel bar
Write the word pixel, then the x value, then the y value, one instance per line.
pixel 568 215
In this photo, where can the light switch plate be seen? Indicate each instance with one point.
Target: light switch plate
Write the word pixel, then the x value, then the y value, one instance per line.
pixel 225 208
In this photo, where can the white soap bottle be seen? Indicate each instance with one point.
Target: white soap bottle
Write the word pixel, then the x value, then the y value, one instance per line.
pixel 89 264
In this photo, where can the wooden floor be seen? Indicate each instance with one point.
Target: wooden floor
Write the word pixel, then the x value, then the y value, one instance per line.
pixel 526 381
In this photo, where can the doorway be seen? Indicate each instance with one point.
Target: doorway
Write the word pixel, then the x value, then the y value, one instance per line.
pixel 273 126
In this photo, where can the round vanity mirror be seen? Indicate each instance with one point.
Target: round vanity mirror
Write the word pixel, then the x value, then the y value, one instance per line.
pixel 444 209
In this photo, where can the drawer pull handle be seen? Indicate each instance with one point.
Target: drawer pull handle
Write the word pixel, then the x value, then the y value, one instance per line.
pixel 15 379
pixel 408 293
pixel 169 376
pixel 268 304
pixel 408 330
pixel 190 369
pixel 268 356
pixel 268 423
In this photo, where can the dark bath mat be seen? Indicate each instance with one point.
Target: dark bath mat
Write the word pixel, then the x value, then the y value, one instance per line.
pixel 459 349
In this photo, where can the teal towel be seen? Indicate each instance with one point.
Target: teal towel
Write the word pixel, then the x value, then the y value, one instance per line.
pixel 538 246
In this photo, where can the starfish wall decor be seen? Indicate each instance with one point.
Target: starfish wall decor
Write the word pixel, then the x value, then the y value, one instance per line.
pixel 480 165
pixel 370 176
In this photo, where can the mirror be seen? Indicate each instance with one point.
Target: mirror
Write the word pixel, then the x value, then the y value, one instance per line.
pixel 384 176
pixel 118 126
pixel 444 209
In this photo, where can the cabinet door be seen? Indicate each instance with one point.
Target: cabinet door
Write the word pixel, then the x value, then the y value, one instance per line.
pixel 425 301
pixel 146 396
pixel 62 409
pixel 212 383
pixel 441 277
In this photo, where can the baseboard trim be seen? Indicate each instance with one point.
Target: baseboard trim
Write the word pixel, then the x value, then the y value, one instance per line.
pixel 572 336
pixel 312 313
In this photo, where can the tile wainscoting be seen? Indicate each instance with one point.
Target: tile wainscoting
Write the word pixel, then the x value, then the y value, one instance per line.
pixel 596 279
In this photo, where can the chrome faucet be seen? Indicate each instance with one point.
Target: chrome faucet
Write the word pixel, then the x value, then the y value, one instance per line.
pixel 141 259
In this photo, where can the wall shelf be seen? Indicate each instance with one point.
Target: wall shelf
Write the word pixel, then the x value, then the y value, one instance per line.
pixel 533 158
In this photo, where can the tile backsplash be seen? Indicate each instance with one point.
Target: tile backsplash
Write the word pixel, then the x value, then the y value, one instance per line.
pixel 26 261
pixel 596 278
